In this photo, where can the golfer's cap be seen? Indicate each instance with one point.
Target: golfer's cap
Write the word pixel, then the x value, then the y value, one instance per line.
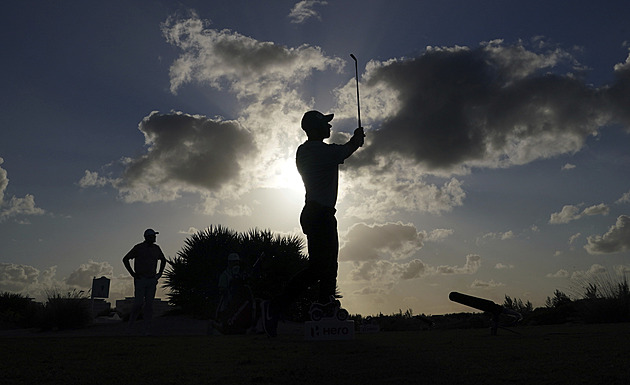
pixel 315 119
pixel 150 232
pixel 233 257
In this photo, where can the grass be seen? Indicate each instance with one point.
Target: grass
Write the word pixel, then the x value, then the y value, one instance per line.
pixel 562 354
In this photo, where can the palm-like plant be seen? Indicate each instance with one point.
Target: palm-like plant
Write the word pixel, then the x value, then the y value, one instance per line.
pixel 193 275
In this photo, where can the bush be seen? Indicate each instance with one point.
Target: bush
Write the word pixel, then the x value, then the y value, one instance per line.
pixel 605 299
pixel 17 311
pixel 193 275
pixel 69 311
pixel 516 304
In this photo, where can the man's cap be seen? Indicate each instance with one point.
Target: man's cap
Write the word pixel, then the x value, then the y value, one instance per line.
pixel 150 232
pixel 233 257
pixel 315 119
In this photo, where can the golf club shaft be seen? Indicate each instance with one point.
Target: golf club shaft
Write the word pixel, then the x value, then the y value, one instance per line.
pixel 356 72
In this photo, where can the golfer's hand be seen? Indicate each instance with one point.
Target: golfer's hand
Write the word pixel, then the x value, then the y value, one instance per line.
pixel 359 134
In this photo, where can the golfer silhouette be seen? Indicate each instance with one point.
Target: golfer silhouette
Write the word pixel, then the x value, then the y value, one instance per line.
pixel 318 164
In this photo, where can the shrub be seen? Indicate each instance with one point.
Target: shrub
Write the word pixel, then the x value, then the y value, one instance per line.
pixel 605 298
pixel 68 311
pixel 193 275
pixel 518 305
pixel 17 310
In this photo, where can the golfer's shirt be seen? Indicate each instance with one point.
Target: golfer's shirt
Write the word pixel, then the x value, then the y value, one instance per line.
pixel 318 164
pixel 146 256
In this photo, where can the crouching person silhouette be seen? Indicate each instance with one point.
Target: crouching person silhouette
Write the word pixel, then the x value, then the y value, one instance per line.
pixel 146 256
pixel 318 164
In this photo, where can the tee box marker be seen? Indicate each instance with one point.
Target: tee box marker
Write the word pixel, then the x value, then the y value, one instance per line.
pixel 329 330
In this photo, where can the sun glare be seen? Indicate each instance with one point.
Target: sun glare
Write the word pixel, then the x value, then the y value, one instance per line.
pixel 289 178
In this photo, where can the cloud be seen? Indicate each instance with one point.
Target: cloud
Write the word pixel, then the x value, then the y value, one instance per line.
pixel 82 276
pixel 92 179
pixel 495 105
pixel 379 194
pixel 38 284
pixel 15 206
pixel 25 279
pixel 625 198
pixel 473 262
pixel 187 150
pixel 393 240
pixel 303 11
pixel 600 209
pixel 413 269
pixel 616 239
pixel 594 270
pixel 501 266
pixel 571 213
pixel 439 235
pixel 499 235
pixel 242 64
pixel 452 109
pixel 191 230
pixel 382 275
pixel 479 284
pixel 568 166
pixel 185 153
pixel 562 273
pixel 574 238
pixel 391 272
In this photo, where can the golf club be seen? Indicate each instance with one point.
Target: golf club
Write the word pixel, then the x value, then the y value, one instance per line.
pixel 356 71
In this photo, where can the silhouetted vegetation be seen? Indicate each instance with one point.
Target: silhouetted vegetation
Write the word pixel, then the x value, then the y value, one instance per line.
pixel 193 279
pixel 401 321
pixel 599 299
pixel 68 311
pixel 60 311
pixel 18 311
pixel 517 304
pixel 193 275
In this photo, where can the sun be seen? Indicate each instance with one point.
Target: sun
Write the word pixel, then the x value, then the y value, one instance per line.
pixel 288 177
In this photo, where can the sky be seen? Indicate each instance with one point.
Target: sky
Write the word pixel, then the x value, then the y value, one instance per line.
pixel 495 163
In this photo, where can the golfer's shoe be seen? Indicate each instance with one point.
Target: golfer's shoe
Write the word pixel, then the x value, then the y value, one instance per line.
pixel 269 319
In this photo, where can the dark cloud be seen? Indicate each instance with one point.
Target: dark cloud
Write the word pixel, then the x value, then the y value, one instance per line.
pixel 413 269
pixel 191 150
pixel 494 105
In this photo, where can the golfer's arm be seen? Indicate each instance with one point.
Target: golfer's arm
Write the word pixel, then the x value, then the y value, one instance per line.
pixel 128 265
pixel 162 266
pixel 354 143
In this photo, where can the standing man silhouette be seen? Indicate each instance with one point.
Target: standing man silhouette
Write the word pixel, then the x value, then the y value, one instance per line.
pixel 318 164
pixel 146 256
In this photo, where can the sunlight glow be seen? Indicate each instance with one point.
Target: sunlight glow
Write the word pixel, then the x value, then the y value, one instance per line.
pixel 288 177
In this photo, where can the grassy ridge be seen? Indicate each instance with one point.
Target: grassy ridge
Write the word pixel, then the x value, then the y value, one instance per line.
pixel 567 354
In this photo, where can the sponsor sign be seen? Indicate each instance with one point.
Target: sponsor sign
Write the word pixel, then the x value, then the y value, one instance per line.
pixel 327 330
